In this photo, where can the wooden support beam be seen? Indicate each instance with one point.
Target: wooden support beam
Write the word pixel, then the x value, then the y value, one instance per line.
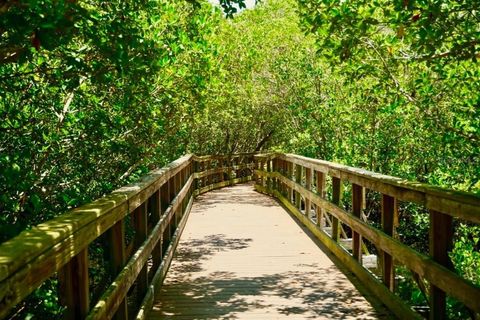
pixel 171 189
pixel 441 234
pixel 74 288
pixel 116 241
pixel 321 191
pixel 165 202
pixel 389 221
pixel 269 169
pixel 141 234
pixel 221 165
pixel 156 212
pixel 337 192
pixel 298 179
pixel 290 177
pixel 274 168
pixel 357 206
pixel 308 185
pixel 284 166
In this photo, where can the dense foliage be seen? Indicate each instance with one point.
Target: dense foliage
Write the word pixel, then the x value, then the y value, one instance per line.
pixel 95 93
pixel 88 98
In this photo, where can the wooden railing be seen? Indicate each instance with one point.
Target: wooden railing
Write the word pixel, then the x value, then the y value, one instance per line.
pixel 299 183
pixel 154 210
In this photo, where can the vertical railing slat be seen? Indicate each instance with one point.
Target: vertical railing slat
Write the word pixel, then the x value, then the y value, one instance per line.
pixel 298 180
pixel 389 217
pixel 441 234
pixel 321 182
pixel 308 185
pixel 337 192
pixel 357 206
pixel 155 210
pixel 290 176
pixel 74 286
pixel 116 245
pixel 141 233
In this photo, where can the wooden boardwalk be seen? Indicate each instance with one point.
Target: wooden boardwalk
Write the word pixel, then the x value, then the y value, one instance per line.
pixel 242 256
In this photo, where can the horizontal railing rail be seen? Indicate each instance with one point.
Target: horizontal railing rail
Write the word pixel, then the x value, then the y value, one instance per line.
pixel 299 183
pixel 155 209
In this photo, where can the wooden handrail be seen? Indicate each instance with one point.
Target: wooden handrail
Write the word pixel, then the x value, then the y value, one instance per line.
pixel 455 203
pixel 274 175
pixel 61 245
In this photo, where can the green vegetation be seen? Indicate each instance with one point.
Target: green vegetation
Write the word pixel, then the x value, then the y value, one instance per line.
pixel 93 94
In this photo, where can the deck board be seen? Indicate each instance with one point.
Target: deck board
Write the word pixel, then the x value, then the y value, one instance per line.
pixel 242 256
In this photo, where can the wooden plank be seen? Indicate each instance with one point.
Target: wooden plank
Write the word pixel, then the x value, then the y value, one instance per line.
pixel 441 235
pixel 337 193
pixel 251 271
pixel 74 288
pixel 389 218
pixel 357 205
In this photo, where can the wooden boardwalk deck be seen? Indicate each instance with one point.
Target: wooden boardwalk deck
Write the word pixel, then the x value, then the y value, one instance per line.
pixel 242 256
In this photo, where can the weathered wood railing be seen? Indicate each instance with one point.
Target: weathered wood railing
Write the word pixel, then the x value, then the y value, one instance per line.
pixel 299 183
pixel 158 206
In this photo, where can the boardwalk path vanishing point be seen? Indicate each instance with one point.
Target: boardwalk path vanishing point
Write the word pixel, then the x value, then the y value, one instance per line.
pixel 242 256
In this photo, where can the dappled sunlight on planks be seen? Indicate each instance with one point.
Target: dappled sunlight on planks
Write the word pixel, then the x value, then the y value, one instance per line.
pixel 260 264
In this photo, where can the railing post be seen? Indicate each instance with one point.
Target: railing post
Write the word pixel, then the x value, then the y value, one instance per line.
pixel 255 167
pixel 155 210
pixel 337 192
pixel 230 170
pixel 281 170
pixel 321 182
pixel 220 166
pixel 308 185
pixel 274 169
pixel 177 181
pixel 269 179
pixel 141 232
pixel 262 168
pixel 171 189
pixel 389 218
pixel 74 289
pixel 165 203
pixel 290 177
pixel 357 206
pixel 116 241
pixel 441 234
pixel 298 180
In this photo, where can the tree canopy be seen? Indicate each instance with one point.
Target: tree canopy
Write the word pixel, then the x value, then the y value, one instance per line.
pixel 93 94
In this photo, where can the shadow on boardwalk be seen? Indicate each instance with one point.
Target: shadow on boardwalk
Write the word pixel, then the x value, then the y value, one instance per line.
pixel 243 257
